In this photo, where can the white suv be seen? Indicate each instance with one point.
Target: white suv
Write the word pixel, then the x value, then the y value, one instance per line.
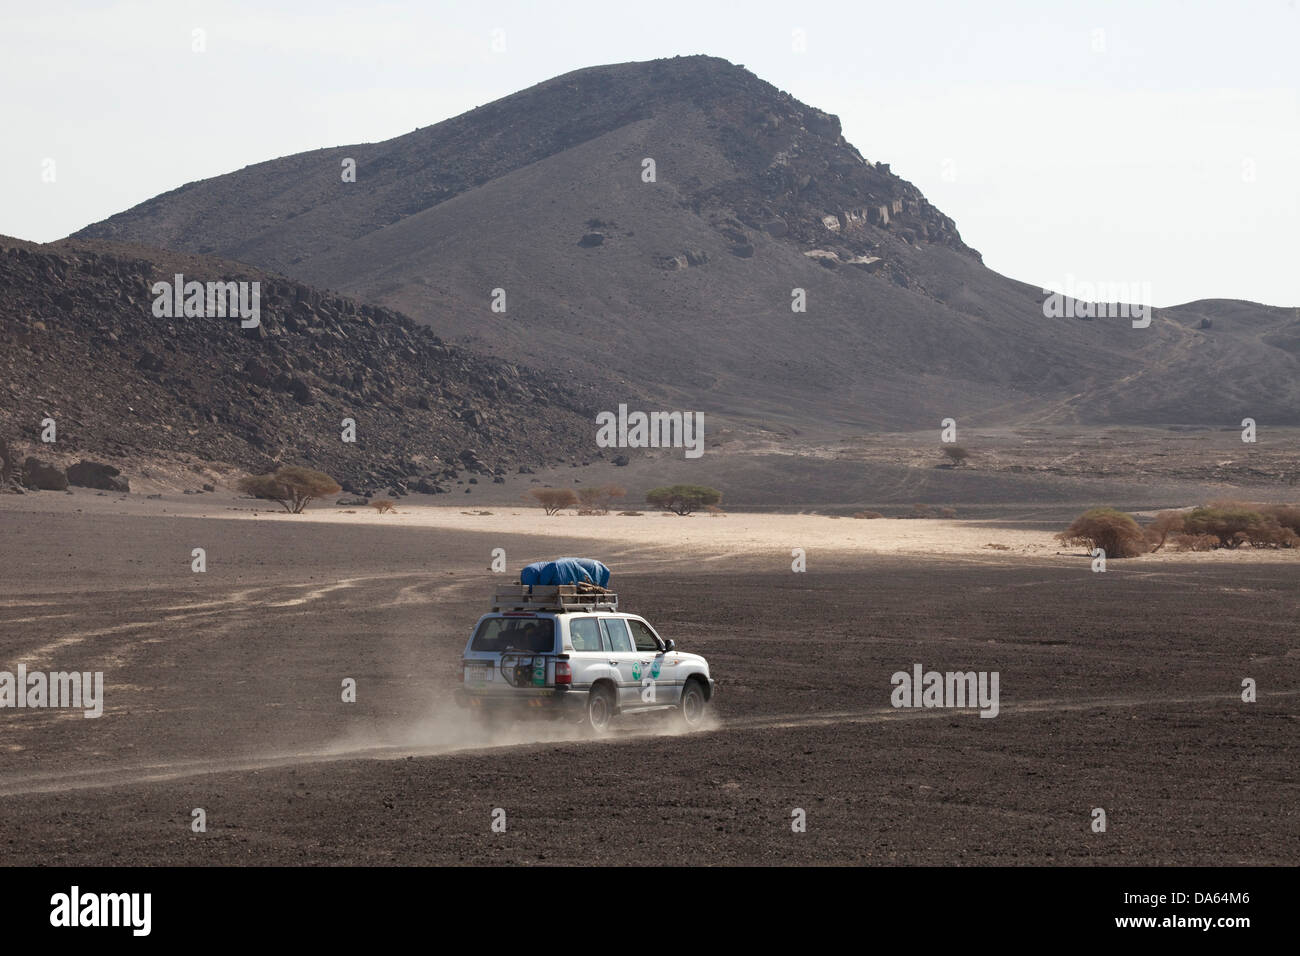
pixel 555 651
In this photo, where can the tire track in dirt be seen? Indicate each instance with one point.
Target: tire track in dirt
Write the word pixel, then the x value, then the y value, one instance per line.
pixel 241 602
pixel 144 774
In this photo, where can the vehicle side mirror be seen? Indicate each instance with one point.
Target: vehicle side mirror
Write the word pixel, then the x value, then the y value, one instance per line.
pixel 669 644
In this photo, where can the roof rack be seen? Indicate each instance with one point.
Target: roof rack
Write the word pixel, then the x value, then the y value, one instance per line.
pixel 554 597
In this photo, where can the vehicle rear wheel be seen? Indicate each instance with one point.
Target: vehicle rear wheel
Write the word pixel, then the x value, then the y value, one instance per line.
pixel 694 706
pixel 600 710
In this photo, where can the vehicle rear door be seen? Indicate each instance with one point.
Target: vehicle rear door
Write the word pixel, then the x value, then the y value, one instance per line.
pixel 622 657
pixel 590 658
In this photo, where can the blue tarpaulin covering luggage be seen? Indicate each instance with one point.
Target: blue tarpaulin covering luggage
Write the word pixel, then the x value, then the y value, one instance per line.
pixel 566 571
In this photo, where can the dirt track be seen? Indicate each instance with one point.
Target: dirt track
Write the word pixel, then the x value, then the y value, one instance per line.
pixel 1118 691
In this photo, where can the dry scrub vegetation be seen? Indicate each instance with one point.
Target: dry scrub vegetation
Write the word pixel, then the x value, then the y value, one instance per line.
pixel 1220 524
pixel 292 486
pixel 598 499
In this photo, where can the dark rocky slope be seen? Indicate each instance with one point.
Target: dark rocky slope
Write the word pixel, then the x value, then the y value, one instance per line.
pixel 81 345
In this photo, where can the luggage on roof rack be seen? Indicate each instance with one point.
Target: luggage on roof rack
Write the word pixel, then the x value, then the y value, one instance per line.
pixel 566 571
pixel 555 597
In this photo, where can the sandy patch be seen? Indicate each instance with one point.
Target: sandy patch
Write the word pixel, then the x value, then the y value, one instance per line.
pixel 701 536
pixel 698 535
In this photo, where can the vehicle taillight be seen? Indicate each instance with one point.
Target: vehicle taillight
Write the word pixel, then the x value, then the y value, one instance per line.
pixel 462 672
pixel 563 673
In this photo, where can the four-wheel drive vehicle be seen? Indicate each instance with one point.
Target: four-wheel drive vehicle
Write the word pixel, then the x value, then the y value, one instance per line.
pixel 567 651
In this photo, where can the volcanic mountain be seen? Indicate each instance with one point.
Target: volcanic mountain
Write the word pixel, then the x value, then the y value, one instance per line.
pixel 692 235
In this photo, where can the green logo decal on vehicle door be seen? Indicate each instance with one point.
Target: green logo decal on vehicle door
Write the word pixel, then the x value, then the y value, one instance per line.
pixel 654 668
pixel 636 670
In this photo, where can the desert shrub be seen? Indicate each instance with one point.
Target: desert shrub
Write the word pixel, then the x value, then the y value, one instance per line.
pixel 683 499
pixel 554 499
pixel 1287 516
pixel 598 499
pixel 1161 527
pixel 947 512
pixel 1194 542
pixel 292 486
pixel 955 454
pixel 1232 522
pixel 1268 534
pixel 383 505
pixel 1115 532
pixel 868 514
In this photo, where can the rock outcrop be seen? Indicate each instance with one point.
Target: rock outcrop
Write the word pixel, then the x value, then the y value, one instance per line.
pixel 42 476
pixel 93 474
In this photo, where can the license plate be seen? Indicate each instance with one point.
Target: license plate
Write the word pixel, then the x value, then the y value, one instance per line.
pixel 478 675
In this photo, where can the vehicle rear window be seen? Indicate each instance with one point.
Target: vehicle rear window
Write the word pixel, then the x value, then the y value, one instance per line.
pixel 616 631
pixel 585 632
pixel 517 634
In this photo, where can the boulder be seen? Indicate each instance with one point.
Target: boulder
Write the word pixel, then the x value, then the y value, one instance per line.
pixel 823 124
pixel 94 474
pixel 39 476
pixel 868 263
pixel 258 373
pixel 301 392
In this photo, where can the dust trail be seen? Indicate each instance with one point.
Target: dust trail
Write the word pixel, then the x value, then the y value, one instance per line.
pixel 449 730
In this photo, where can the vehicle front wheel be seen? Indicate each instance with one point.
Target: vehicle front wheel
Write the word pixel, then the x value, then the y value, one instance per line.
pixel 600 710
pixel 694 706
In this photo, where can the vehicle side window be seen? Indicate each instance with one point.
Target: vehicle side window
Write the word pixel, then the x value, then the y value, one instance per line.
pixel 616 632
pixel 585 632
pixel 644 637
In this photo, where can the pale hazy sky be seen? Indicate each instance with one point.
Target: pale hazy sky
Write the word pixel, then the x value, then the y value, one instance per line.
pixel 1107 142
